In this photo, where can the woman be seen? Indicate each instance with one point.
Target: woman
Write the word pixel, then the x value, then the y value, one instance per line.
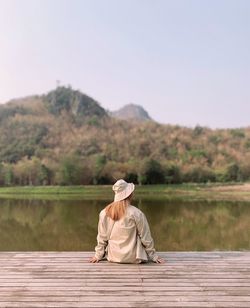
pixel 123 231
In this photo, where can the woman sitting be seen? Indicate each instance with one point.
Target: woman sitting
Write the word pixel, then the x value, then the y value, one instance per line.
pixel 123 231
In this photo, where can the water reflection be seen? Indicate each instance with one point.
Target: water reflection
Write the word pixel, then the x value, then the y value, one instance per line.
pixel 72 225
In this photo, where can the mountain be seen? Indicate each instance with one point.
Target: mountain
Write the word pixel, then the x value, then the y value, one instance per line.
pixel 132 112
pixel 62 100
pixel 29 124
pixel 73 102
pixel 65 137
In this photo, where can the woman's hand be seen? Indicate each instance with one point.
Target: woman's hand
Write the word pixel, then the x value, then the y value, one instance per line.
pixel 159 260
pixel 93 260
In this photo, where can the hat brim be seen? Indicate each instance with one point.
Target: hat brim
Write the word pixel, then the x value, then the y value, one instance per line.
pixel 125 194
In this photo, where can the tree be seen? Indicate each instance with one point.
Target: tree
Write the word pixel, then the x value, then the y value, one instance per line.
pixel 44 175
pixel 245 170
pixel 173 174
pixel 1 174
pixel 70 171
pixel 8 175
pixel 151 172
pixel 199 174
pixel 100 162
pixel 233 173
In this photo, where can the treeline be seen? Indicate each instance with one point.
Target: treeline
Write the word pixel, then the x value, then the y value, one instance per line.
pixel 66 138
pixel 74 170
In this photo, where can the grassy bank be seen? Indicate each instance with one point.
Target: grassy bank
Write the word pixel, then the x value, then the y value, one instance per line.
pixel 240 192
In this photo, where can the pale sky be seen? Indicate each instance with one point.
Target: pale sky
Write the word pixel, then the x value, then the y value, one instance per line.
pixel 186 62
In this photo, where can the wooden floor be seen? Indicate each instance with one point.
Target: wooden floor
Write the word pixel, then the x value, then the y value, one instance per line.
pixel 66 279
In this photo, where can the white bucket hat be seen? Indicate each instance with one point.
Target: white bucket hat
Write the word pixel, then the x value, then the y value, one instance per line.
pixel 122 190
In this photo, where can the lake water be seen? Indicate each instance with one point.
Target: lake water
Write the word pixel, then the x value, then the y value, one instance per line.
pixel 72 225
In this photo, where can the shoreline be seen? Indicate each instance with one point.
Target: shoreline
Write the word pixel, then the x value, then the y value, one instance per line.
pixel 211 191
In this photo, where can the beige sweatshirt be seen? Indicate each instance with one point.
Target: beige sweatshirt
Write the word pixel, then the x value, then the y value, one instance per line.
pixel 127 240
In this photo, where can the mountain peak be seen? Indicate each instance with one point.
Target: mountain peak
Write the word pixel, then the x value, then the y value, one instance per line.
pixel 132 112
pixel 73 101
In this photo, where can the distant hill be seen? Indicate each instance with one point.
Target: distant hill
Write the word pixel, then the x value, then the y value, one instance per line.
pixel 73 102
pixel 132 112
pixel 62 100
pixel 65 137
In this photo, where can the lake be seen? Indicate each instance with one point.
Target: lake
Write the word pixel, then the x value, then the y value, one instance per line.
pixel 71 225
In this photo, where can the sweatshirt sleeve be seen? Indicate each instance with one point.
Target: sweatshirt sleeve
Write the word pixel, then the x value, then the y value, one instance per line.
pixel 102 240
pixel 145 236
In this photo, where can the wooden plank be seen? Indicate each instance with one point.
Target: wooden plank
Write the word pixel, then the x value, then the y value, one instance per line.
pixel 59 295
pixel 124 305
pixel 124 288
pixel 134 298
pixel 168 255
pixel 144 276
pixel 131 284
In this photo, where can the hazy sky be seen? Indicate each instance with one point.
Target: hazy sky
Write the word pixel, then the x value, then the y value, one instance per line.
pixel 186 62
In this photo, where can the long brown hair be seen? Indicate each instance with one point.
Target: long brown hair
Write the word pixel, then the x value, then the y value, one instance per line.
pixel 116 210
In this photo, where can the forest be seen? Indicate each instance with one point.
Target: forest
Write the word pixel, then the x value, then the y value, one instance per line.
pixel 65 137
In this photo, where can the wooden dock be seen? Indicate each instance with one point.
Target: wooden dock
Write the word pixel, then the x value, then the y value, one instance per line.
pixel 66 279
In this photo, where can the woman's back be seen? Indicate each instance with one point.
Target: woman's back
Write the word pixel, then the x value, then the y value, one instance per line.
pixel 123 236
pixel 123 231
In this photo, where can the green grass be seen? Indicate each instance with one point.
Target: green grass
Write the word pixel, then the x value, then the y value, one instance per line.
pixel 183 191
